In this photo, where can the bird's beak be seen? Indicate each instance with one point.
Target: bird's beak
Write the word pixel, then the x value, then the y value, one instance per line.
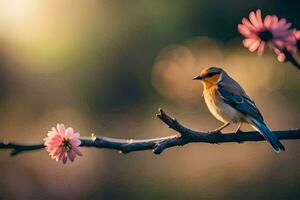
pixel 199 77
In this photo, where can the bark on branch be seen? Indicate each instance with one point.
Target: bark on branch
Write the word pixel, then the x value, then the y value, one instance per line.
pixel 158 145
pixel 290 57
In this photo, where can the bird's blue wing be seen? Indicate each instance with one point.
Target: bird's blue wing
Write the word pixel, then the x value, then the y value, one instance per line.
pixel 240 102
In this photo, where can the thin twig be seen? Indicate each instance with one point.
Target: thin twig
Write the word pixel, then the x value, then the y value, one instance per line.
pixel 289 57
pixel 158 145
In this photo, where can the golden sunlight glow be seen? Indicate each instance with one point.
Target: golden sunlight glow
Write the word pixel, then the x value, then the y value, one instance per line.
pixel 15 11
pixel 47 35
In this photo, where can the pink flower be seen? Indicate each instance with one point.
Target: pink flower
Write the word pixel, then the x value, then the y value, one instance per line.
pixel 276 33
pixel 62 143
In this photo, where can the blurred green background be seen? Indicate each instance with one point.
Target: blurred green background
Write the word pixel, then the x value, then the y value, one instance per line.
pixel 105 66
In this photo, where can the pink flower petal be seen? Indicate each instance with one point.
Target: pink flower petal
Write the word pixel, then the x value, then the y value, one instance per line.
pixel 283 34
pixel 76 150
pixel 248 42
pixel 50 133
pixel 274 47
pixel 65 158
pixel 259 19
pixel 261 48
pixel 248 25
pixel 282 27
pixel 297 35
pixel 254 46
pixel 71 155
pixel 76 135
pixel 274 22
pixel 244 30
pixel 281 22
pixel 61 128
pixel 268 21
pixel 290 40
pixel 281 57
pixel 57 152
pixel 60 156
pixel 69 132
pixel 75 142
pixel 253 19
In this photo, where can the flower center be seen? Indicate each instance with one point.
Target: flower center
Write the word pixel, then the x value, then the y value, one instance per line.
pixel 66 144
pixel 265 35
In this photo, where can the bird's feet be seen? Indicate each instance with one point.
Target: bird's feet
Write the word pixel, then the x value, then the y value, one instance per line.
pixel 238 134
pixel 216 131
pixel 214 134
pixel 239 131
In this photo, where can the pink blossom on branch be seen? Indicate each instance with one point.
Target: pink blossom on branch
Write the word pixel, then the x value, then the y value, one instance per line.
pixel 62 143
pixel 272 31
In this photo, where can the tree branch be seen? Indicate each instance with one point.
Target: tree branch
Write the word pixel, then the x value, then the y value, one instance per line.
pixel 289 57
pixel 158 145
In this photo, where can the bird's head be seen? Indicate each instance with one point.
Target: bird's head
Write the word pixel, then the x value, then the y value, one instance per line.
pixel 209 76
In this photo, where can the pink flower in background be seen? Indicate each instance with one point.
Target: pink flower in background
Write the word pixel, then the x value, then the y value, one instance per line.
pixel 62 143
pixel 297 35
pixel 276 33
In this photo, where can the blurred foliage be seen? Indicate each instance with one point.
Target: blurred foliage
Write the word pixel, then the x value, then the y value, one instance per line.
pixel 105 66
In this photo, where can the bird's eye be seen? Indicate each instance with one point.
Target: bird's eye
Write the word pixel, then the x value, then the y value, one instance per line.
pixel 212 74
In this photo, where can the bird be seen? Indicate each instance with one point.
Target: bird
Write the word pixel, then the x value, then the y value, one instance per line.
pixel 228 102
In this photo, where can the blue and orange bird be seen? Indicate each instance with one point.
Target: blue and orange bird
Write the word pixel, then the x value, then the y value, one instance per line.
pixel 229 103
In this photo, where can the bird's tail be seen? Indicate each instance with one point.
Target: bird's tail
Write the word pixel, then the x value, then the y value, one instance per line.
pixel 268 135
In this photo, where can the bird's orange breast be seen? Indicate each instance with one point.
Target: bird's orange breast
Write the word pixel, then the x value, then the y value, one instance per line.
pixel 211 81
pixel 221 110
pixel 212 91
